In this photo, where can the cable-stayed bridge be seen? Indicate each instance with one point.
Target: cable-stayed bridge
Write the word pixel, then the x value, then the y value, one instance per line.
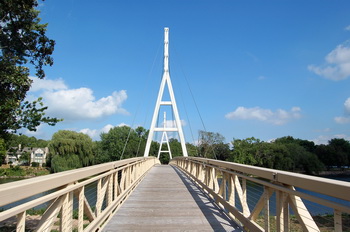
pixel 189 194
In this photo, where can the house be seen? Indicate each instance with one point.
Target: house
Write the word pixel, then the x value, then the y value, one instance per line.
pixel 38 155
pixel 34 154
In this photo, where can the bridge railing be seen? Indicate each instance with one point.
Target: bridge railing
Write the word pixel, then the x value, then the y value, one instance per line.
pixel 66 192
pixel 264 199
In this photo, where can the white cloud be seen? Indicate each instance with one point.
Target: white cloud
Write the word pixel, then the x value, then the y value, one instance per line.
pixel 323 139
pixel 344 119
pixel 279 117
pixel 172 123
pixel 347 105
pixel 347 28
pixel 40 131
pixel 337 65
pixel 95 133
pixel 77 104
pixel 47 84
pixel 92 133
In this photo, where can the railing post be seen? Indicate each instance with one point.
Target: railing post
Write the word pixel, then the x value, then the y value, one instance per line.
pixel 267 209
pixel 337 221
pixel 282 220
pixel 80 194
pixel 66 213
pixel 99 198
pixel 231 197
pixel 285 212
pixel 21 222
pixel 246 210
pixel 279 211
pixel 110 190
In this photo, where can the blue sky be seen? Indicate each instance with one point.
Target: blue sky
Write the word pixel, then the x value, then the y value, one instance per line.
pixel 255 68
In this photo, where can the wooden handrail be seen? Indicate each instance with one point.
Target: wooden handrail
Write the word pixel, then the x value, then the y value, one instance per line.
pixel 115 181
pixel 330 187
pixel 224 180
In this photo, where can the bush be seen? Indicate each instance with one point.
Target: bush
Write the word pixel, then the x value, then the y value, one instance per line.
pixel 16 168
pixel 35 164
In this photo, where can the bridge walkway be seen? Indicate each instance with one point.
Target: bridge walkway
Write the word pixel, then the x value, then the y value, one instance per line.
pixel 167 200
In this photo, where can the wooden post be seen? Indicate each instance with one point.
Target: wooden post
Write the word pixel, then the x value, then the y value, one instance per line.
pixel 99 197
pixel 80 195
pixel 67 212
pixel 337 221
pixel 21 222
pixel 267 209
pixel 232 192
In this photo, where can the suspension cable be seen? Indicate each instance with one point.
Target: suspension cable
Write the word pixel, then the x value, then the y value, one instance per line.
pixel 195 103
pixel 138 107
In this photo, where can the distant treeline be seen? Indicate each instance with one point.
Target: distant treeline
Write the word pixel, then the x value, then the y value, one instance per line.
pixel 71 150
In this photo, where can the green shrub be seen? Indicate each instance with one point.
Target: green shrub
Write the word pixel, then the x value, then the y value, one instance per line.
pixel 35 164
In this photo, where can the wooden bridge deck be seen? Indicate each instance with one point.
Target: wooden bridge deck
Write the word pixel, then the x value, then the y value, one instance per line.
pixel 166 200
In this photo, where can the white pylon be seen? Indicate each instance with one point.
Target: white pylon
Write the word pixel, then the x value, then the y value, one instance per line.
pixel 164 139
pixel 166 81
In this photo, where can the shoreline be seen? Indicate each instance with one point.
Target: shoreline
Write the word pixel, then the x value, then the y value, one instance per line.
pixel 345 173
pixel 17 177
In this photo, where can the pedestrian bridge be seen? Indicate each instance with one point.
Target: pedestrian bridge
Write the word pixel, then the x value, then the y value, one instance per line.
pixel 190 194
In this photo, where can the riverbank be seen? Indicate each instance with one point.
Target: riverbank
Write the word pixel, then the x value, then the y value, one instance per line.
pixel 335 173
pixel 13 172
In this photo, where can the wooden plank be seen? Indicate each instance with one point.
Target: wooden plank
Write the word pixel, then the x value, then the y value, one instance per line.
pixel 167 200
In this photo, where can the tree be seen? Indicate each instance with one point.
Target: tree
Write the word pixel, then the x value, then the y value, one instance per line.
pixel 340 152
pixel 25 158
pixel 302 152
pixel 244 151
pixel 2 151
pixel 324 152
pixel 14 140
pixel 308 145
pixel 210 143
pixel 192 150
pixel 70 150
pixel 23 44
pixel 120 143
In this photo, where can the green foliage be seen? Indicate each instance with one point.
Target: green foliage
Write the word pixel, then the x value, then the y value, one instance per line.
pixel 2 150
pixel 25 157
pixel 35 164
pixel 335 154
pixel 12 171
pixel 70 150
pixel 192 150
pixel 244 151
pixel 340 151
pixel 285 153
pixel 211 145
pixel 36 211
pixel 113 146
pixel 23 44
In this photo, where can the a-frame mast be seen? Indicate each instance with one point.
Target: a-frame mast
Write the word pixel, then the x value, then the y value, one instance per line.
pixel 166 81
